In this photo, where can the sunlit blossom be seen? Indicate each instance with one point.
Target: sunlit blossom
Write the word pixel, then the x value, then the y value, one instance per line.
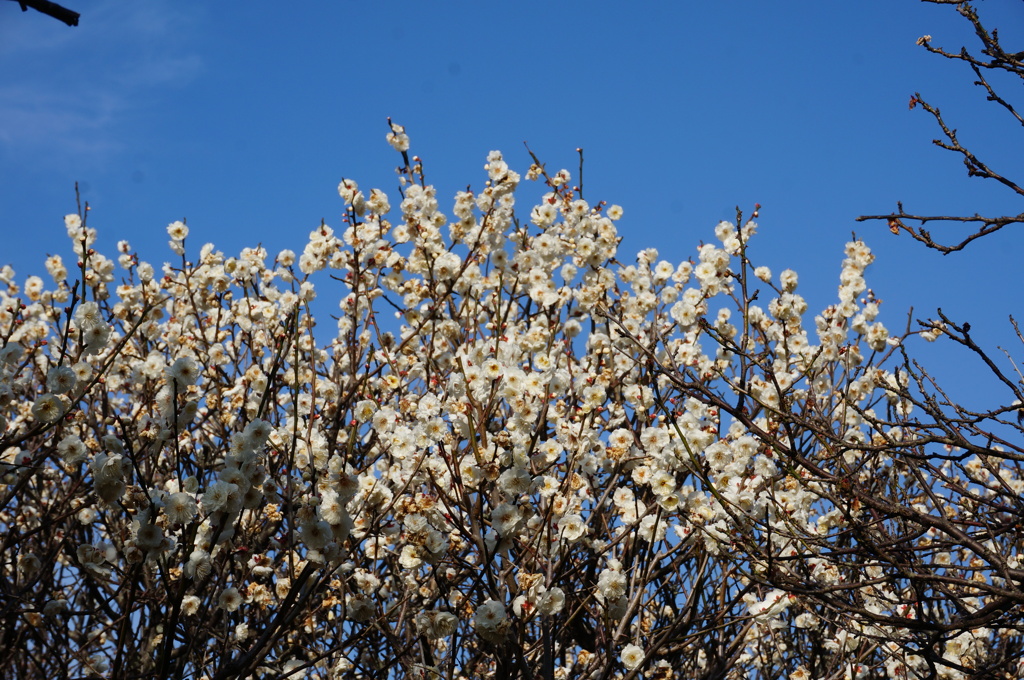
pixel 512 431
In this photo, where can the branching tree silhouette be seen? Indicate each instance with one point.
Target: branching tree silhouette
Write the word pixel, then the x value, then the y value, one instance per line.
pixel 992 57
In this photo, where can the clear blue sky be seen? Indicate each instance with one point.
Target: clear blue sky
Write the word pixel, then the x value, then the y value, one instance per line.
pixel 243 117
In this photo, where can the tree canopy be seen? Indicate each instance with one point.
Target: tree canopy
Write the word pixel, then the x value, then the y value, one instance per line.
pixel 514 452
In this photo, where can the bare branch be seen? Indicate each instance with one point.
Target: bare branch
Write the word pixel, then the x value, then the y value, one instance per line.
pixel 897 224
pixel 52 9
pixel 997 59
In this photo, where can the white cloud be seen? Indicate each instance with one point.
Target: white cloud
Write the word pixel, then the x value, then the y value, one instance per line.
pixel 40 116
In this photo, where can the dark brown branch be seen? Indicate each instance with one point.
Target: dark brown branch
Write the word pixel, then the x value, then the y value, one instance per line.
pixel 1000 59
pixel 52 9
pixel 997 59
pixel 896 221
pixel 975 167
pixel 993 97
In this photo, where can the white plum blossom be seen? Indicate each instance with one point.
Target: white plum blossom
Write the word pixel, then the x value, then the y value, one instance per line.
pixel 631 656
pixel 510 443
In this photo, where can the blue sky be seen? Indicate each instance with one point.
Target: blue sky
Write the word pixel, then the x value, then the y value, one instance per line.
pixel 242 118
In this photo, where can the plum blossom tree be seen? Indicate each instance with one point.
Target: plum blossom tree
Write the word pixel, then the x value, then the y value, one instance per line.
pixel 511 455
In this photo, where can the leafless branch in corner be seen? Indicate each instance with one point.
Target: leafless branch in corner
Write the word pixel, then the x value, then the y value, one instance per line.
pixel 52 9
pixel 993 58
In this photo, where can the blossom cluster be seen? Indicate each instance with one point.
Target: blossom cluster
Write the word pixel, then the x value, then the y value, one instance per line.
pixel 511 450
